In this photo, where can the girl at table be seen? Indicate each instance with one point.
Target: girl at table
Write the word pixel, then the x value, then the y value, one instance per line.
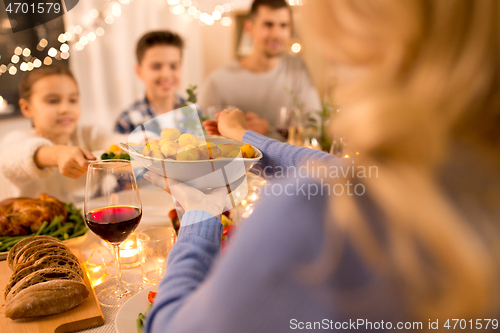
pixel 419 97
pixel 53 155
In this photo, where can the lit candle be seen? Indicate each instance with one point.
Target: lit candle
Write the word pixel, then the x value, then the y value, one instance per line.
pixel 128 252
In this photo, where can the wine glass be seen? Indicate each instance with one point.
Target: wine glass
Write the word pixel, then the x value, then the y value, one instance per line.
pixel 112 211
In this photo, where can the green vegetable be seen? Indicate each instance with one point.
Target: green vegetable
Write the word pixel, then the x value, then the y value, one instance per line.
pixel 73 227
pixel 142 319
pixel 111 156
pixel 44 224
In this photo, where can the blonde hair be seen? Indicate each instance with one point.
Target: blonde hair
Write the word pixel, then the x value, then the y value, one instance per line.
pixel 425 79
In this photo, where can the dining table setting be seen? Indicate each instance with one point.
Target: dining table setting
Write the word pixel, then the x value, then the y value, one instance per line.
pixel 95 265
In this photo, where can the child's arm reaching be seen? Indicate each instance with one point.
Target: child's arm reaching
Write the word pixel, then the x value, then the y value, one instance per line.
pixel 26 157
pixel 71 161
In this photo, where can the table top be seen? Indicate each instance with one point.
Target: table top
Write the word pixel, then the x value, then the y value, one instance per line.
pixel 155 207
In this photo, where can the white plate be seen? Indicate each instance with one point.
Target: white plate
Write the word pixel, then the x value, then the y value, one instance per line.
pixel 201 174
pixel 70 242
pixel 126 318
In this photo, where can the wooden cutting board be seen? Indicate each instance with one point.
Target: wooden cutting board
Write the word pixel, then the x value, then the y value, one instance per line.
pixel 86 315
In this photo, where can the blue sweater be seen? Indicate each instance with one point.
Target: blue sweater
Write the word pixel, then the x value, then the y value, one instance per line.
pixel 258 285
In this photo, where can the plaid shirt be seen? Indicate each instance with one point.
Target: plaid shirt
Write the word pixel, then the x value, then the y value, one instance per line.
pixel 141 113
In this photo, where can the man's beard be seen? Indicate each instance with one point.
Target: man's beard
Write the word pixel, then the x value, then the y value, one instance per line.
pixel 270 55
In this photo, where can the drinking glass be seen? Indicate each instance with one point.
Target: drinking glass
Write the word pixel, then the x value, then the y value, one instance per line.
pixel 112 211
pixel 154 245
pixel 283 121
pixel 342 149
pixel 338 147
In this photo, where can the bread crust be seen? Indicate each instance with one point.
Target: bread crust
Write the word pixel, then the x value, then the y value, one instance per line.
pixel 47 262
pixel 46 298
pixel 44 253
pixel 17 247
pixel 43 275
pixel 34 246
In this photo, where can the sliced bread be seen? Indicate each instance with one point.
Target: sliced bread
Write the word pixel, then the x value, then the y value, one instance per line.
pixel 46 262
pixel 43 275
pixel 31 247
pixel 45 253
pixel 13 251
pixel 46 298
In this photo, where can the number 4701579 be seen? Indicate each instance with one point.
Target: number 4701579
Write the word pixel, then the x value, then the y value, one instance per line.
pixel 471 324
pixel 40 8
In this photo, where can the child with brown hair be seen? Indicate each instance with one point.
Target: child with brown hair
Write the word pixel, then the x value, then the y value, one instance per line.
pixel 159 67
pixel 53 156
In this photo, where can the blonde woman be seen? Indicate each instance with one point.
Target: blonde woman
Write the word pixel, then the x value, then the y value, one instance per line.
pixel 418 86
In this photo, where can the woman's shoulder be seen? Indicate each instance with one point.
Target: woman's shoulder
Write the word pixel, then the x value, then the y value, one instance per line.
pixel 288 219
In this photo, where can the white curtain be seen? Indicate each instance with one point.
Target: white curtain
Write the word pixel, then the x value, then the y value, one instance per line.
pixel 105 67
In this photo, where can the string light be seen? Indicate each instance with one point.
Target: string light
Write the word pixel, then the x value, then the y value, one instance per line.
pixel 99 32
pixel 109 19
pixel 216 15
pixel 62 38
pixel 108 14
pixel 226 21
pixel 64 48
pixel 52 52
pixel 296 47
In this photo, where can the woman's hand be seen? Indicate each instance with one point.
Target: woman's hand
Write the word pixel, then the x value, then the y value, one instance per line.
pixel 189 197
pixel 230 124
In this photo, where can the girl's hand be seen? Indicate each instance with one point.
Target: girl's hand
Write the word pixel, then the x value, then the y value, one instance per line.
pixel 189 197
pixel 72 161
pixel 230 124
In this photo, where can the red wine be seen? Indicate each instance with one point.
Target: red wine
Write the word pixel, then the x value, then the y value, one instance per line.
pixel 114 223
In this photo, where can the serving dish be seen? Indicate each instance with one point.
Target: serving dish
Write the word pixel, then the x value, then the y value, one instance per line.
pixel 201 174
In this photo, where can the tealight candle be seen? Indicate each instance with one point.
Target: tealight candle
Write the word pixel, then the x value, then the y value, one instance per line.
pixel 128 252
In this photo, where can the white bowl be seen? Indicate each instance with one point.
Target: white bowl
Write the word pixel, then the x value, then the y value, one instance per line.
pixel 204 174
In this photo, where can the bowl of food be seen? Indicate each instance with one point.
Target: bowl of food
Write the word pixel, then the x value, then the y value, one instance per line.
pixel 202 162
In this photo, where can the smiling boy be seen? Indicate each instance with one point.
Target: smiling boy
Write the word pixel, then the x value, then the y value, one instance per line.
pixel 159 67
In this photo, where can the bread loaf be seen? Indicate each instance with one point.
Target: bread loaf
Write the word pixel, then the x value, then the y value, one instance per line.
pixel 47 279
pixel 47 262
pixel 16 248
pixel 46 298
pixel 43 275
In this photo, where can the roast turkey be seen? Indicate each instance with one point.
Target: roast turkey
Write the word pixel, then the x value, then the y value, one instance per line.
pixel 23 216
